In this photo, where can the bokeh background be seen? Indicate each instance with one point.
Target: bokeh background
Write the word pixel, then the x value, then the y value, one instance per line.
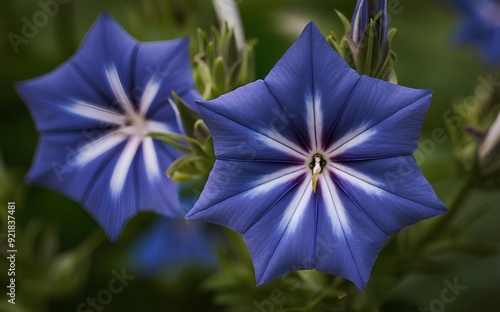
pixel 63 256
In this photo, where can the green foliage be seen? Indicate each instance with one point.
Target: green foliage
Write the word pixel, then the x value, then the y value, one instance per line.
pixel 218 66
pixel 470 125
pixel 43 270
pixel 197 146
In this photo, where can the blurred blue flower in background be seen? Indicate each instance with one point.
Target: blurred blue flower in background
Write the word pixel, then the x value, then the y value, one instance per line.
pixel 481 26
pixel 173 243
pixel 309 164
pixel 94 113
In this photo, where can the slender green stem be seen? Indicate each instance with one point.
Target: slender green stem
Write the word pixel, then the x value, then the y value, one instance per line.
pixel 454 207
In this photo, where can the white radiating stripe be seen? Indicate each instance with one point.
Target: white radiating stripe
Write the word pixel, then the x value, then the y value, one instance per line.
pixel 297 207
pixel 96 148
pixel 271 181
pixel 118 91
pixel 177 113
pixel 350 140
pixel 276 140
pixel 150 159
pixel 123 165
pixel 97 113
pixel 148 96
pixel 155 126
pixel 334 208
pixel 357 179
pixel 314 120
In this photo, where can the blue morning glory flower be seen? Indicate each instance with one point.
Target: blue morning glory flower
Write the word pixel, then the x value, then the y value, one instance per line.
pixel 314 164
pixel 173 243
pixel 94 113
pixel 365 11
pixel 481 26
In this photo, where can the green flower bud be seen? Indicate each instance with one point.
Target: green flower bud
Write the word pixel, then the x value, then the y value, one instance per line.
pixel 366 44
pixel 220 66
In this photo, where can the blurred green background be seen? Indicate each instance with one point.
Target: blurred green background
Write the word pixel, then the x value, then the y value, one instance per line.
pixel 58 267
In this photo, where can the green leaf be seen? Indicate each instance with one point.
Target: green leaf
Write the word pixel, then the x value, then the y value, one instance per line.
pixel 390 76
pixel 333 41
pixel 346 52
pixel 210 54
pixel 201 131
pixel 202 40
pixel 368 51
pixel 390 34
pixel 220 75
pixel 172 140
pixel 247 67
pixel 345 22
pixel 202 73
pixel 182 163
pixel 189 116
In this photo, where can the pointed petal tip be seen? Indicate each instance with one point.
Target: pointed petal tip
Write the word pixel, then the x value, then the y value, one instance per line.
pixel 22 86
pixel 311 25
pixel 441 209
pixel 104 19
pixel 190 215
pixel 200 102
pixel 361 286
pixel 105 15
pixel 195 214
pixel 312 29
pixel 112 236
pixel 260 280
pixel 185 39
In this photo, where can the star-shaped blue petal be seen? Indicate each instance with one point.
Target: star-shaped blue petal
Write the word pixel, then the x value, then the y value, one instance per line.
pixel 94 113
pixel 267 136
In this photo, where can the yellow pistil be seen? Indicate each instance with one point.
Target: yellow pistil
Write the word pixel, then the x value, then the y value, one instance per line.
pixel 317 167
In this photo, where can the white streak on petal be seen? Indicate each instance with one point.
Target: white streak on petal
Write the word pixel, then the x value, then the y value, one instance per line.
pixel 275 140
pixel 334 208
pixel 297 207
pixel 118 91
pixel 96 112
pixel 314 119
pixel 150 92
pixel 351 139
pixel 358 179
pixel 95 149
pixel 271 181
pixel 150 159
pixel 176 112
pixel 155 126
pixel 123 165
